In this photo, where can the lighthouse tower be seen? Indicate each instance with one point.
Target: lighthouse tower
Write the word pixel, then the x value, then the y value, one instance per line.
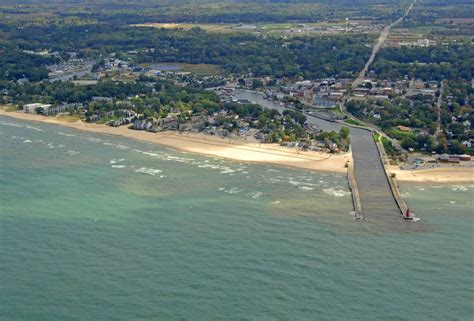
pixel 347 25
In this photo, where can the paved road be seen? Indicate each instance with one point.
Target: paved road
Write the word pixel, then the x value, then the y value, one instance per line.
pixel 438 107
pixel 360 78
pixel 383 36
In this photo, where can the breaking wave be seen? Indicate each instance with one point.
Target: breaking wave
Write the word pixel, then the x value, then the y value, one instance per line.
pixel 149 171
pixel 336 193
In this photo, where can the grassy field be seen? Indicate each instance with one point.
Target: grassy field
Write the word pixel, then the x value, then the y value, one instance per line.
pixel 9 108
pixel 202 69
pixel 353 122
pixel 69 118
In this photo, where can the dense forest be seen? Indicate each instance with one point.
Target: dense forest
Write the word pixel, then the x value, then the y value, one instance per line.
pixel 427 11
pixel 126 12
pixel 15 64
pixel 437 62
pixel 241 53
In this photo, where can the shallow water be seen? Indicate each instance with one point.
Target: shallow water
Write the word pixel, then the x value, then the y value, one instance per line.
pixel 96 227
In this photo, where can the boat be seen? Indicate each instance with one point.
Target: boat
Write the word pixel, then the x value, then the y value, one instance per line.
pixel 409 216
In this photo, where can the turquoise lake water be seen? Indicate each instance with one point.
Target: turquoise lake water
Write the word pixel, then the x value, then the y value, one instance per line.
pixel 96 227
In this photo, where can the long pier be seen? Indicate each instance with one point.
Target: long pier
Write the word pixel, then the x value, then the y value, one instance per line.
pixel 378 196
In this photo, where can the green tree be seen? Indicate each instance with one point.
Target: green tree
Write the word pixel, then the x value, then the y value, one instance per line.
pixel 344 132
pixel 257 83
pixel 456 147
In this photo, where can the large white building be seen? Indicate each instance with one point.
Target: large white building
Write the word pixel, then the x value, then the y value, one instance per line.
pixel 31 108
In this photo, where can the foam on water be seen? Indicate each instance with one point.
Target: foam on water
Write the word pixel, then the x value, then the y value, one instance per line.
pixel 227 170
pixel 67 134
pixel 94 139
pixel 255 195
pixel 231 190
pixel 336 192
pixel 72 152
pixel 149 171
pixel 34 128
pixel 115 161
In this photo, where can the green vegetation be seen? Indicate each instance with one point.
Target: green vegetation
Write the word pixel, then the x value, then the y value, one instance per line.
pixel 9 108
pixel 388 146
pixel 417 112
pixel 15 64
pixel 72 118
pixel 353 122
pixel 377 137
pixel 160 95
pixel 121 12
pixel 438 62
pixel 235 53
pixel 341 139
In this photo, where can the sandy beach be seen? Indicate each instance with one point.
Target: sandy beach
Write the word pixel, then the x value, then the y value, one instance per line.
pixel 238 150
pixel 435 175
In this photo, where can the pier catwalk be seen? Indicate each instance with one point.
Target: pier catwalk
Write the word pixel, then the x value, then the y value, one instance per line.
pixel 378 202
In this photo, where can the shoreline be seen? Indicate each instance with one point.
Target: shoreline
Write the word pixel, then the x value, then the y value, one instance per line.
pixel 231 149
pixel 243 151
